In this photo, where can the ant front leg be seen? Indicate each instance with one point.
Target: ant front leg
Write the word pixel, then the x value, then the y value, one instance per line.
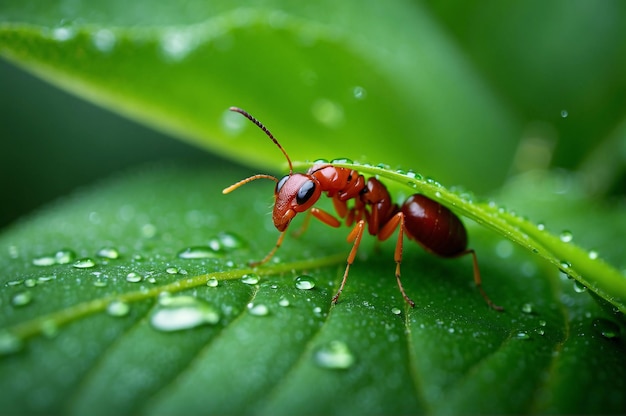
pixel 355 236
pixel 271 253
pixel 384 233
pixel 478 281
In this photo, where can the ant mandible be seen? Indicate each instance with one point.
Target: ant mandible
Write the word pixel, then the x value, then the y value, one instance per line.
pixel 429 223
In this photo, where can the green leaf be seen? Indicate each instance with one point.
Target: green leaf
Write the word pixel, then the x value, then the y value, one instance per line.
pixel 180 68
pixel 552 350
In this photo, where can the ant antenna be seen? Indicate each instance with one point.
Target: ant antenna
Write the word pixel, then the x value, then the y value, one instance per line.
pixel 262 127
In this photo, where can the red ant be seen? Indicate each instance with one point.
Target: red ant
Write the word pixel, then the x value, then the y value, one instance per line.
pixel 429 223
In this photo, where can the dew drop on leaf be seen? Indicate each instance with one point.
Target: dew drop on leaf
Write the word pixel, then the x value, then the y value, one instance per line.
pixel 84 263
pixel 134 277
pixel 230 241
pixel 258 309
pixel 579 287
pixel 396 311
pixel 606 328
pixel 118 308
pixel 334 355
pixel 65 256
pixel 212 282
pixel 22 298
pixel 566 236
pixel 44 261
pixel 305 282
pixel 9 343
pixel 527 308
pixel 284 302
pixel 108 253
pixel 199 252
pixel 176 313
pixel 522 335
pixel 171 270
pixel 250 278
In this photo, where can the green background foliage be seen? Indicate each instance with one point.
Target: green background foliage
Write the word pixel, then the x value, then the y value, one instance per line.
pixel 519 103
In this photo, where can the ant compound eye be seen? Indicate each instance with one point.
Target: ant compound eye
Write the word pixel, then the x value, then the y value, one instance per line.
pixel 280 183
pixel 305 192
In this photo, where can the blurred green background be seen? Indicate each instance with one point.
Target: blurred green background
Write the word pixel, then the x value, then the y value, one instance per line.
pixel 467 93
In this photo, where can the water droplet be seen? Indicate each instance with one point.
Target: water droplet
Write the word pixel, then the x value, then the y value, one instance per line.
pixel 566 236
pixel 134 277
pixel 104 40
pixel 49 328
pixel 45 279
pixel 342 160
pixel 565 266
pixel 230 241
pixel 579 287
pixel 396 311
pixel 84 263
pixel 327 112
pixel 606 328
pixel 100 283
pixel 523 335
pixel 30 282
pixel 564 113
pixel 305 282
pixel 108 253
pixel 14 252
pixel 14 282
pixel 542 323
pixel 250 279
pixel 540 331
pixel 359 93
pixel 22 298
pixel 334 355
pixel 65 256
pixel 44 261
pixel 593 254
pixel 199 252
pixel 176 313
pixel 148 230
pixel 63 34
pixel 212 282
pixel 284 302
pixel 177 44
pixel 171 270
pixel 118 308
pixel 504 249
pixel 541 226
pixel 527 308
pixel 9 343
pixel 258 309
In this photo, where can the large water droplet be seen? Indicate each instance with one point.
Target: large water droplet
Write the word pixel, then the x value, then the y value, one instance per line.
pixel 305 282
pixel 84 263
pixel 65 256
pixel 579 287
pixel 134 277
pixel 566 236
pixel 250 278
pixel 44 261
pixel 176 313
pixel 199 252
pixel 334 355
pixel 212 282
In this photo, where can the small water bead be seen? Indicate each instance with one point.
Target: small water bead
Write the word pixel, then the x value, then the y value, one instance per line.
pixel 527 308
pixel 44 261
pixel 30 282
pixel 22 298
pixel 65 256
pixel 104 40
pixel 606 328
pixel 171 270
pixel 176 313
pixel 359 93
pixel 284 302
pixel 566 236
pixel 118 308
pixel 396 311
pixel 342 160
pixel 14 282
pixel 305 282
pixel 593 254
pixel 14 252
pixel 212 282
pixel 250 279
pixel 84 263
pixel 334 355
pixel 100 283
pixel 45 279
pixel 579 287
pixel 230 241
pixel 522 335
pixel 134 277
pixel 199 252
pixel 108 253
pixel 9 343
pixel 258 309
pixel 564 113
pixel 541 226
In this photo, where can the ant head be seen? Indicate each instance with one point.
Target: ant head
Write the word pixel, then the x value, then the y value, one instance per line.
pixel 294 193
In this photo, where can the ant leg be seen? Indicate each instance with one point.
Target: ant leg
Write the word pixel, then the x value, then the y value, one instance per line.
pixel 271 253
pixel 304 226
pixel 384 234
pixel 478 280
pixel 355 235
pixel 321 215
